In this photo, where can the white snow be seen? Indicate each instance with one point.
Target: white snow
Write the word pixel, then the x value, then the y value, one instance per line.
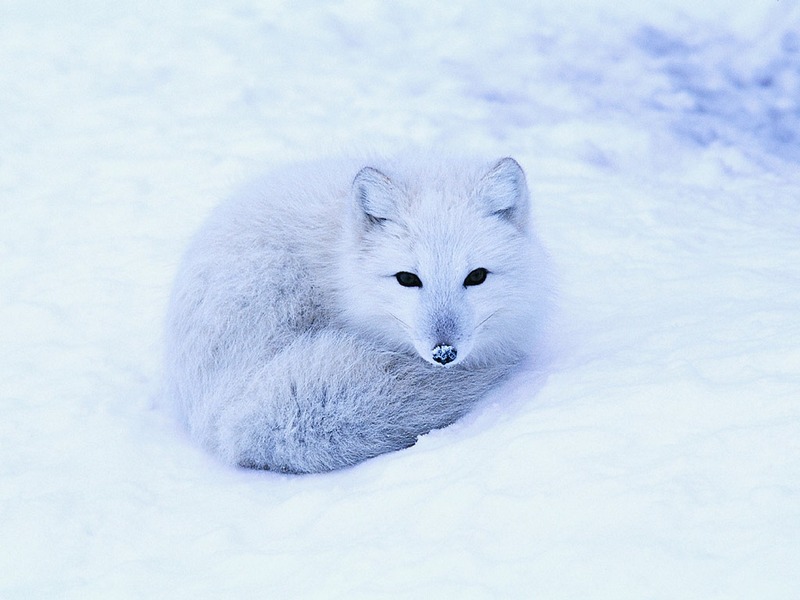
pixel 657 456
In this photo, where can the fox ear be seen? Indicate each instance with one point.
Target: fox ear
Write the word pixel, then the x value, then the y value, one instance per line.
pixel 375 195
pixel 503 192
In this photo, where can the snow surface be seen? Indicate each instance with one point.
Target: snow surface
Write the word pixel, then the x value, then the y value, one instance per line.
pixel 658 456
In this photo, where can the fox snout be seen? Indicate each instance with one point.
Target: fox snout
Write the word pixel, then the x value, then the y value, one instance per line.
pixel 445 330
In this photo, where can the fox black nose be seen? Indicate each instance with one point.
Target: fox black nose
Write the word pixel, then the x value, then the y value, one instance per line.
pixel 444 354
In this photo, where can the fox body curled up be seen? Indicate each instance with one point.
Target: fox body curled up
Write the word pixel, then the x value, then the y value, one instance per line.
pixel 336 311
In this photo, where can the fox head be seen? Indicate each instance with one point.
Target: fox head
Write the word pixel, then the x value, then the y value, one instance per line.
pixel 437 260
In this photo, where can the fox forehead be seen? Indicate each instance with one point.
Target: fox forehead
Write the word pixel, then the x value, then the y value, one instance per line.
pixel 441 226
pixel 445 245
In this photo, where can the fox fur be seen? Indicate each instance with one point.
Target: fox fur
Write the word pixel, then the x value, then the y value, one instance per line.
pixel 291 344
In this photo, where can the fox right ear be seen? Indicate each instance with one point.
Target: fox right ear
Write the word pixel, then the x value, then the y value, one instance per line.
pixel 375 195
pixel 503 192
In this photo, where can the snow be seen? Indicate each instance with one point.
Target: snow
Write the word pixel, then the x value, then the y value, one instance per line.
pixel 657 455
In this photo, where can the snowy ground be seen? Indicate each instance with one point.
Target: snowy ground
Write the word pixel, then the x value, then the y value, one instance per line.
pixel 658 457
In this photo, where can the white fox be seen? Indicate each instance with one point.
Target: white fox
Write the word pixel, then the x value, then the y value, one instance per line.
pixel 337 311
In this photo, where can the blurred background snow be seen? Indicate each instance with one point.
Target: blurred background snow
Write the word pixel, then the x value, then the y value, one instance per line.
pixel 657 457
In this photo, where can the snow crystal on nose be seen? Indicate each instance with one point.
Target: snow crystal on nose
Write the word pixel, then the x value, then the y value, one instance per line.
pixel 444 354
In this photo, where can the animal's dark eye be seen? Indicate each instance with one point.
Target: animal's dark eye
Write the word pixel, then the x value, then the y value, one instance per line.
pixel 408 279
pixel 476 277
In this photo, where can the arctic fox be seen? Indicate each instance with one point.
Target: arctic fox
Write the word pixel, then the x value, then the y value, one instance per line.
pixel 337 311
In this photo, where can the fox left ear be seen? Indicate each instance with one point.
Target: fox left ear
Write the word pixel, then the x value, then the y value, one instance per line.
pixel 376 196
pixel 503 192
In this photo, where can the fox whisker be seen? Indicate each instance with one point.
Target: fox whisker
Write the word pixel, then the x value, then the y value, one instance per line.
pixel 479 325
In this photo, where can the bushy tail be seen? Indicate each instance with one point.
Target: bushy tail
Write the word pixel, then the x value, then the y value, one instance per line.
pixel 330 400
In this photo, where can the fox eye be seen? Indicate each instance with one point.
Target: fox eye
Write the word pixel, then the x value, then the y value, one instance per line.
pixel 476 277
pixel 407 279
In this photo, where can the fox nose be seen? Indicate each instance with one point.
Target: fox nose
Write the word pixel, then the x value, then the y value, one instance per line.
pixel 444 354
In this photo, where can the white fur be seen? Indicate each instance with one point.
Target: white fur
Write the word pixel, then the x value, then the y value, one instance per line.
pixel 291 346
